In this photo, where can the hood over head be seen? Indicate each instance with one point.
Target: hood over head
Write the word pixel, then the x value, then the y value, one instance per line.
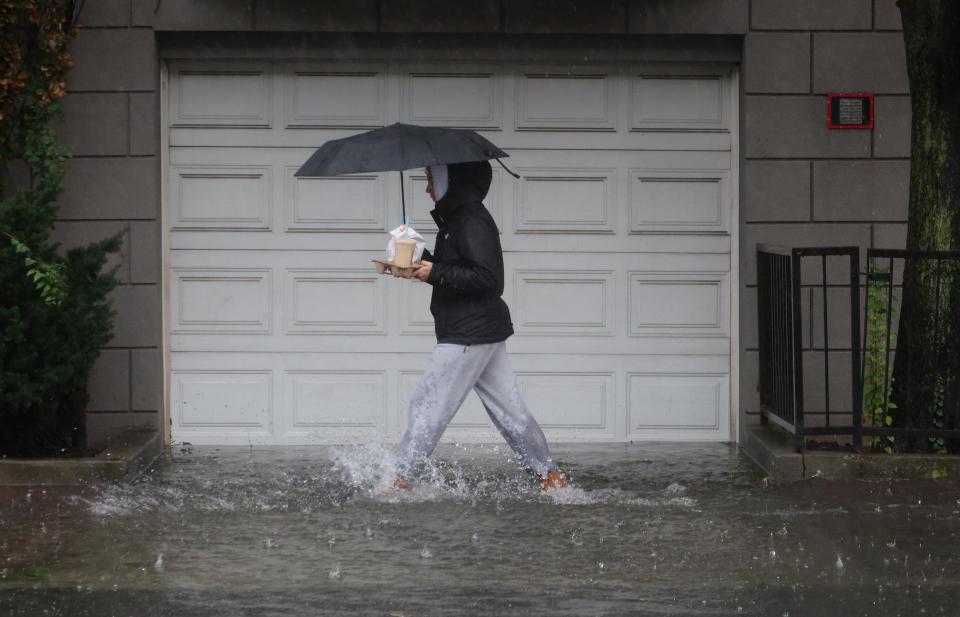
pixel 466 182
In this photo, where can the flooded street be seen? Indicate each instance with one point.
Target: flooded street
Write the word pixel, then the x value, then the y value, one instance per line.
pixel 648 529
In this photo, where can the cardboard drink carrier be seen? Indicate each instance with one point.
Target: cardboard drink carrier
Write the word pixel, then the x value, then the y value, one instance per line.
pixel 403 253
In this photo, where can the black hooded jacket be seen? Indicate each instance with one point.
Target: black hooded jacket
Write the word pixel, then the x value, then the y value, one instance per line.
pixel 467 273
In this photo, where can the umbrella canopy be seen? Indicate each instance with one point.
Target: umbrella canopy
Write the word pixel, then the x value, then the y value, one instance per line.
pixel 398 147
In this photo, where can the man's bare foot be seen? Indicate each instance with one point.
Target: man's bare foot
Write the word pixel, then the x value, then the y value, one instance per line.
pixel 402 484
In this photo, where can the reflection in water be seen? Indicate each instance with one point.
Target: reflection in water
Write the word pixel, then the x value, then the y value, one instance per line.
pixel 650 529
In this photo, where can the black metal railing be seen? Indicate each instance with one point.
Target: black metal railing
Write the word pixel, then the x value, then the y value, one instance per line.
pixel 786 281
pixel 885 289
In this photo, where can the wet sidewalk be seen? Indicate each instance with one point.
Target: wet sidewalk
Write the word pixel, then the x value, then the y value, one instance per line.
pixel 649 529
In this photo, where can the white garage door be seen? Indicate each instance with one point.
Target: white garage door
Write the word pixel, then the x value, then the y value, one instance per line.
pixel 617 245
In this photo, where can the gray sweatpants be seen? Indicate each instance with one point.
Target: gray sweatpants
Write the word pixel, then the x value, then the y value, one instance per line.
pixel 454 370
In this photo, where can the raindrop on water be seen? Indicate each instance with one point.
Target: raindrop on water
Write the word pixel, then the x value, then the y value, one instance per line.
pixel 577 537
pixel 425 553
pixel 334 574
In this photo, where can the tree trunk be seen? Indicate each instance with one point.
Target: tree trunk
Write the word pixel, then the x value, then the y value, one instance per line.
pixel 928 342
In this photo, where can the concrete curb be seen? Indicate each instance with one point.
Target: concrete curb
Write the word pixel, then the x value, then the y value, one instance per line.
pixel 124 458
pixel 775 452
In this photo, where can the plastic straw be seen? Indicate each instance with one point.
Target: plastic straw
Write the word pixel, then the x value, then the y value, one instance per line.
pixel 406 228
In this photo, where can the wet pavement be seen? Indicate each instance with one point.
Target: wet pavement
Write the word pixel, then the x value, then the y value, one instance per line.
pixel 648 529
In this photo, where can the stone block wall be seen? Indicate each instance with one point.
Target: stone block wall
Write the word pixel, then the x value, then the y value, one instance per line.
pixel 801 184
pixel 804 184
pixel 112 126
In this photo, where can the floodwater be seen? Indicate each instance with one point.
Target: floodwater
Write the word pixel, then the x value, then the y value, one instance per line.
pixel 649 529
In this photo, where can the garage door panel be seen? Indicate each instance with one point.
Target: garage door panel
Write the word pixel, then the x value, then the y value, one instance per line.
pixel 679 304
pixel 566 200
pixel 694 201
pixel 221 94
pixel 334 95
pixel 221 300
pixel 680 98
pixel 678 102
pixel 677 404
pixel 219 401
pixel 559 98
pixel 563 302
pixel 358 202
pixel 570 400
pixel 335 301
pixel 320 401
pixel 472 95
pixel 221 197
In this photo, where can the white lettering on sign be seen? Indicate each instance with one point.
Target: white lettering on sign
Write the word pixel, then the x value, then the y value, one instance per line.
pixel 851 111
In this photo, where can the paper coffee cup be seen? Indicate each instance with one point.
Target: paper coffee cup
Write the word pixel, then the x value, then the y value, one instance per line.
pixel 404 251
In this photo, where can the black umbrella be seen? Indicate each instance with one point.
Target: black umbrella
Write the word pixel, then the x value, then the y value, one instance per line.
pixel 398 147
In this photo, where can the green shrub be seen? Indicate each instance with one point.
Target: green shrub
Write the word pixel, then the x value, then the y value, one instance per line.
pixel 55 314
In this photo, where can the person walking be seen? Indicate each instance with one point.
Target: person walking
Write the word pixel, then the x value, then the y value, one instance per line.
pixel 472 323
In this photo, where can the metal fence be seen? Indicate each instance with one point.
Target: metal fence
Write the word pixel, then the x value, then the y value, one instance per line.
pixel 884 278
pixel 782 276
pixel 793 284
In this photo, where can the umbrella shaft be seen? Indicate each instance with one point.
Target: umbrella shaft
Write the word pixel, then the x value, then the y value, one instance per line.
pixel 403 202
